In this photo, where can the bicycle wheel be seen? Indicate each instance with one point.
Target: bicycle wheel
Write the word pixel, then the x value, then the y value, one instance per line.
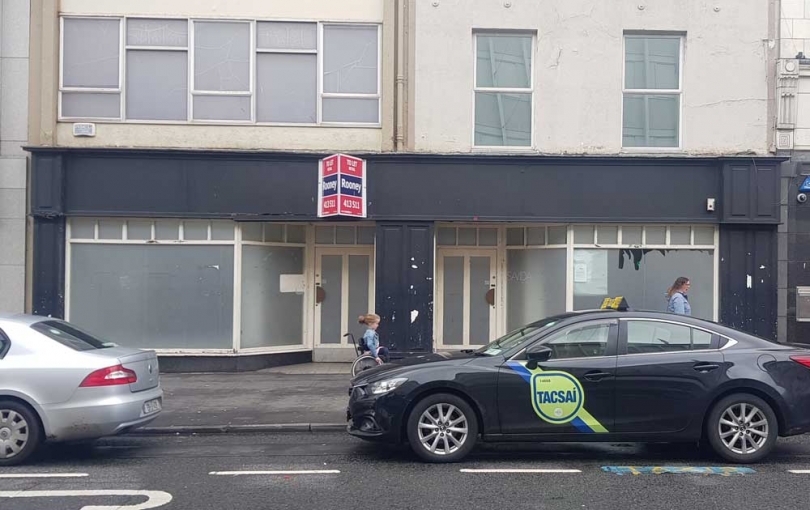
pixel 363 363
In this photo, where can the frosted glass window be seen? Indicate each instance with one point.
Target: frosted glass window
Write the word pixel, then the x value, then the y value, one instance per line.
pixel 274 233
pixel 110 229
pixel 446 236
pixel 607 235
pixel 557 235
pixel 466 237
pixel 154 296
pixel 536 236
pixel 167 230
pixel 296 234
pixel 195 230
pixel 583 234
pixel 157 85
pixel 325 235
pixel 350 59
pixel 139 230
pixel 252 232
pixel 514 237
pixel 91 106
pixel 157 32
pixel 453 301
pixel 344 235
pixel 286 88
pixel 631 235
pixel 487 237
pixel 680 235
pixel 655 235
pixel 280 35
pixel 704 235
pixel 535 285
pixel 222 230
pixel 82 228
pixel 271 318
pixel 343 109
pixel 91 53
pixel 365 235
pixel 221 56
pixel 222 108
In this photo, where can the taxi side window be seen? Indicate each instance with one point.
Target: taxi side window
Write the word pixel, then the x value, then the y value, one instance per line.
pixel 5 344
pixel 580 342
pixel 654 337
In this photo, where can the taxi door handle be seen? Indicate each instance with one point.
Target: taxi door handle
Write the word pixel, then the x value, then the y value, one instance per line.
pixel 705 367
pixel 596 376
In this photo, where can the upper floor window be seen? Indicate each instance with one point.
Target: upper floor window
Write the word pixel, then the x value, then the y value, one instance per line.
pixel 177 70
pixel 652 91
pixel 503 90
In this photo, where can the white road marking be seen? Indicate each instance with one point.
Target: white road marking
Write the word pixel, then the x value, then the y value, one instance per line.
pixel 154 498
pixel 520 471
pixel 799 471
pixel 44 475
pixel 307 472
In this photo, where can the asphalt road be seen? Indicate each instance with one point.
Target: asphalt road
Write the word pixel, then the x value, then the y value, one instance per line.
pixel 176 473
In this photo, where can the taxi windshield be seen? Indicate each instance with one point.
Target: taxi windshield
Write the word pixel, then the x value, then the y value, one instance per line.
pixel 516 337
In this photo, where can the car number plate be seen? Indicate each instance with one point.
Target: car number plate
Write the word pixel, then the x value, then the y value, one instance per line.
pixel 152 406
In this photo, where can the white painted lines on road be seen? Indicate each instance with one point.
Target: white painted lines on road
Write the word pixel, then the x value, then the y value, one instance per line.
pixel 154 499
pixel 799 471
pixel 259 473
pixel 536 471
pixel 43 475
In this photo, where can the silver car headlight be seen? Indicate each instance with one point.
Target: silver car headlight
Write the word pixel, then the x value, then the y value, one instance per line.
pixel 382 387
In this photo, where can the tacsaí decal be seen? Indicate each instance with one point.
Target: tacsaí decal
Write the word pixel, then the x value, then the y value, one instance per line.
pixel 557 396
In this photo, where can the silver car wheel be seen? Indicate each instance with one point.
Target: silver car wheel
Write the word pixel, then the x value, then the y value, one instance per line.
pixel 442 429
pixel 743 428
pixel 13 433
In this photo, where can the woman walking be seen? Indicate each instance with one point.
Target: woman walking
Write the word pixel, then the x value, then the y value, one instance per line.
pixel 678 302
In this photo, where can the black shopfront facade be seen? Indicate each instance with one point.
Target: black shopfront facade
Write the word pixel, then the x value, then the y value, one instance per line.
pixel 218 259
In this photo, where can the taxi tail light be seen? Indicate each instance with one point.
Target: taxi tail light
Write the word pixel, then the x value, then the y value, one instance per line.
pixel 110 376
pixel 802 360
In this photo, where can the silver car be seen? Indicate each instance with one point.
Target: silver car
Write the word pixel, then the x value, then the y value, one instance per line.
pixel 59 383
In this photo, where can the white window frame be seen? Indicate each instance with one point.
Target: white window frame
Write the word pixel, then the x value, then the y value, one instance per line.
pixel 650 92
pixel 191 93
pixel 501 90
pixel 333 95
pixel 92 90
pixel 502 276
pixel 237 243
pixel 318 52
pixel 124 59
pixel 192 90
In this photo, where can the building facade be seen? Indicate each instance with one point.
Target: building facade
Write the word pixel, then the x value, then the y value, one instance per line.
pixel 14 64
pixel 522 160
pixel 793 141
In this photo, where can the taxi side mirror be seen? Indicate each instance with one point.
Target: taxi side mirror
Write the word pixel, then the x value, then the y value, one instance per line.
pixel 537 355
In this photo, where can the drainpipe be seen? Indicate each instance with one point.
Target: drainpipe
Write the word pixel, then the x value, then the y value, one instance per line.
pixel 399 97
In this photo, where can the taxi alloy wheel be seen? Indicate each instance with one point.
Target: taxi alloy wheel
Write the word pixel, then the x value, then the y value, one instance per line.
pixel 19 433
pixel 742 428
pixel 442 428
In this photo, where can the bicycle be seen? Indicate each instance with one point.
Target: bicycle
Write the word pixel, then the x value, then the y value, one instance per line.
pixel 363 361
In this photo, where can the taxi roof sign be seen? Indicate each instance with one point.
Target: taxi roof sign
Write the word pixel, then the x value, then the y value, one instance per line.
pixel 618 303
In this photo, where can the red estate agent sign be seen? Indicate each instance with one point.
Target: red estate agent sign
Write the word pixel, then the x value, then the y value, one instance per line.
pixel 342 186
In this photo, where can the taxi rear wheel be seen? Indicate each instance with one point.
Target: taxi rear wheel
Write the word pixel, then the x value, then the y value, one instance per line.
pixel 442 428
pixel 742 428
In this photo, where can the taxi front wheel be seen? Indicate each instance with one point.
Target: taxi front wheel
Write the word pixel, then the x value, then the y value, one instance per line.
pixel 742 428
pixel 442 428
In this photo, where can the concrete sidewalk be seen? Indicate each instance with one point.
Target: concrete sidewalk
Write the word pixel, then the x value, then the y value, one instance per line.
pixel 300 398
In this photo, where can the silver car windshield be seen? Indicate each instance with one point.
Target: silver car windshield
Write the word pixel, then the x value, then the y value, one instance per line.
pixel 70 336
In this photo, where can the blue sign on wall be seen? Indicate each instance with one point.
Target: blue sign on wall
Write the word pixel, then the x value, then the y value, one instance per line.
pixel 805 187
pixel 329 185
pixel 350 185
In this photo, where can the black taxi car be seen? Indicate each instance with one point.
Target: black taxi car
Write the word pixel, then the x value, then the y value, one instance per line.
pixel 605 375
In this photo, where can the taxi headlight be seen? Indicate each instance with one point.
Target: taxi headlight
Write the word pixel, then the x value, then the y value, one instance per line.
pixel 382 387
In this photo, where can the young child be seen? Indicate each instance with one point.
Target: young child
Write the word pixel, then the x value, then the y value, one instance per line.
pixel 372 339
